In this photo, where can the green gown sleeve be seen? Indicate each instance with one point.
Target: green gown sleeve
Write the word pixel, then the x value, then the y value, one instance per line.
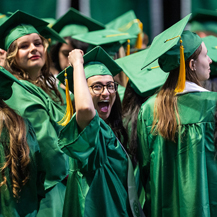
pixel 43 113
pixel 32 192
pixel 102 169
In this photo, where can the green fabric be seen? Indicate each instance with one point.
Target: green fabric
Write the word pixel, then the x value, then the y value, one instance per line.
pixel 33 191
pixel 159 45
pixel 73 29
pixel 98 55
pixel 127 23
pixel 49 33
pixel 171 59
pixel 96 68
pixel 72 16
pixel 180 178
pixel 211 45
pixel 124 23
pixel 204 20
pixel 110 40
pixel 52 204
pixel 43 113
pixel 18 25
pixel 121 91
pixel 147 81
pixel 3 17
pixel 7 80
pixel 98 171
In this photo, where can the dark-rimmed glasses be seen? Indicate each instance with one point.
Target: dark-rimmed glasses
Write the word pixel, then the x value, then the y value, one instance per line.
pixel 99 88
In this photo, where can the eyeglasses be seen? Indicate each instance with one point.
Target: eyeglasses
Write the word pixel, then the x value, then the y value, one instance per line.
pixel 99 88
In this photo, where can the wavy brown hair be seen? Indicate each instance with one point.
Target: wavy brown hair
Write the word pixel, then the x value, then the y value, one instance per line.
pixel 166 115
pixel 13 139
pixel 46 80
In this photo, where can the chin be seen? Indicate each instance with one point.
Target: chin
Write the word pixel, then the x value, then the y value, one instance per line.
pixel 104 116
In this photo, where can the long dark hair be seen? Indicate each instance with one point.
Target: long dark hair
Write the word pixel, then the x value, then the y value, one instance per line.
pixel 115 122
pixel 16 149
pixel 54 50
pixel 131 105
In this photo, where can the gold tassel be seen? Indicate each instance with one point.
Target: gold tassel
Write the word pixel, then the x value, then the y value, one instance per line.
pixel 69 108
pixel 140 36
pixel 182 75
pixel 128 47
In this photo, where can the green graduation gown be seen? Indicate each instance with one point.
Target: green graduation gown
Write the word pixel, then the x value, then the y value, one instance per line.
pixel 44 113
pixel 97 183
pixel 33 190
pixel 180 178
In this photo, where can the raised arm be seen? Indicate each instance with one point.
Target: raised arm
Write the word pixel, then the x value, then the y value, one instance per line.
pixel 85 110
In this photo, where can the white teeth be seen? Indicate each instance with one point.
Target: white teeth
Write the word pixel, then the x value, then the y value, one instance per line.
pixel 104 101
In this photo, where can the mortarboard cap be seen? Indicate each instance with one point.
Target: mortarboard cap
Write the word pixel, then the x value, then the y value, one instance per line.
pixel 110 40
pixel 147 81
pixel 165 41
pixel 211 45
pixel 18 25
pixel 204 20
pixel 3 17
pixel 49 33
pixel 127 22
pixel 49 20
pixel 7 80
pixel 171 59
pixel 73 22
pixel 96 62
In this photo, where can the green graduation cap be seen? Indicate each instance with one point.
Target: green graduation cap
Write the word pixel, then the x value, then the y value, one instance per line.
pixel 96 62
pixel 73 22
pixel 128 23
pixel 49 33
pixel 204 20
pixel 49 20
pixel 18 25
pixel 173 47
pixel 6 82
pixel 3 17
pixel 211 45
pixel 110 40
pixel 144 82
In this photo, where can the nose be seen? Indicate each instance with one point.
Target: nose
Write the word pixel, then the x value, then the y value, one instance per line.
pixel 105 91
pixel 210 61
pixel 32 47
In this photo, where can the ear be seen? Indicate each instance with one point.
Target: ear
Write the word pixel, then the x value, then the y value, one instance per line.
pixel 192 65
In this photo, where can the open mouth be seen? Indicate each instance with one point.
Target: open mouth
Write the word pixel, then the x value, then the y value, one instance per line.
pixel 103 106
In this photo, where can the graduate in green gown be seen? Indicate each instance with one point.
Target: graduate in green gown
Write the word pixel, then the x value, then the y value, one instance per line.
pixel 176 130
pixel 27 59
pixel 101 181
pixel 21 168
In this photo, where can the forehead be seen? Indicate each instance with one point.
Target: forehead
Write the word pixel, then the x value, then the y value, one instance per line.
pixel 99 78
pixel 29 37
pixel 204 49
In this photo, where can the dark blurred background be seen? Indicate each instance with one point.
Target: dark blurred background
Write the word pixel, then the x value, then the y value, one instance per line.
pixel 156 15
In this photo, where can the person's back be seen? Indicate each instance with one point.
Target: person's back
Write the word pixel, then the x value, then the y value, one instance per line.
pixel 183 172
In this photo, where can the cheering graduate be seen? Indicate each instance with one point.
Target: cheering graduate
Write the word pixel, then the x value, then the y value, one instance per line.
pixel 101 181
pixel 21 174
pixel 176 130
pixel 27 60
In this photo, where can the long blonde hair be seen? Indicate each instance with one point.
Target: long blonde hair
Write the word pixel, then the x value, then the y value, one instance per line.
pixel 15 147
pixel 46 80
pixel 166 115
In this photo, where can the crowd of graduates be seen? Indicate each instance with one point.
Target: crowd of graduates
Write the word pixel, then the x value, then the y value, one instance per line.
pixel 95 123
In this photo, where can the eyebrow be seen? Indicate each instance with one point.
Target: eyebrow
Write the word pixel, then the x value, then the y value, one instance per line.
pixel 98 82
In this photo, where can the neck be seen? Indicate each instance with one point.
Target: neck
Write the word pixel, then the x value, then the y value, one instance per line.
pixel 34 74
